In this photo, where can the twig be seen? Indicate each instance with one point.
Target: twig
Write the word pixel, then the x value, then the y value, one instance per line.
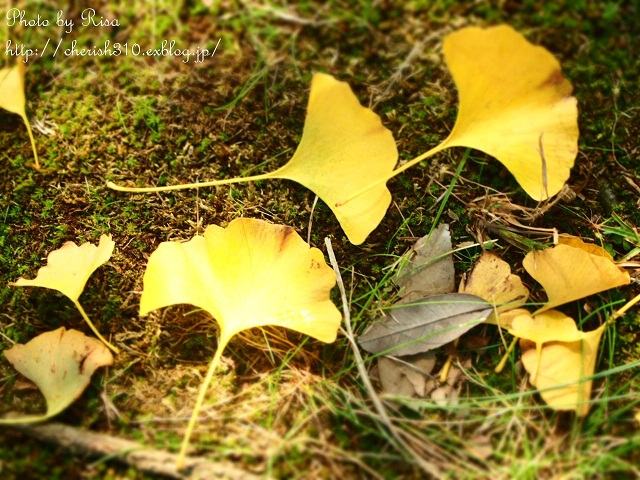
pixel 348 332
pixel 141 457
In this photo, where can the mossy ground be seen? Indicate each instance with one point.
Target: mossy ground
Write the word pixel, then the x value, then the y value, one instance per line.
pixel 148 121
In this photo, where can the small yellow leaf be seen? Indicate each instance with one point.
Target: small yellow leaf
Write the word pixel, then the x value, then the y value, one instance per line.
pixel 491 279
pixel 561 369
pixel 60 363
pixel 69 267
pixel 569 273
pixel 515 105
pixel 549 326
pixel 67 271
pixel 12 97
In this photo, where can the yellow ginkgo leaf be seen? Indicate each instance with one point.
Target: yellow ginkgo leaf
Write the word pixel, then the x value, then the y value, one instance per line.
pixel 491 279
pixel 13 100
pixel 68 269
pixel 250 274
pixel 515 105
pixel 561 371
pixel 60 363
pixel 569 273
pixel 590 248
pixel 344 147
pixel 549 326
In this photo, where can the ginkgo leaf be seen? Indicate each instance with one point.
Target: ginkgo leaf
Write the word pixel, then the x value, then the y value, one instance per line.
pixel 250 274
pixel 428 323
pixel 60 363
pixel 549 326
pixel 514 104
pixel 491 279
pixel 344 147
pixel 569 273
pixel 562 368
pixel 68 269
pixel 12 98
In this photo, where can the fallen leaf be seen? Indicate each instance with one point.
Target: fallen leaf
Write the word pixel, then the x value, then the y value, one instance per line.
pixel 409 377
pixel 69 267
pixel 67 271
pixel 569 273
pixel 491 279
pixel 426 324
pixel 428 267
pixel 60 363
pixel 344 147
pixel 548 326
pixel 562 368
pixel 515 105
pixel 250 274
pixel 12 98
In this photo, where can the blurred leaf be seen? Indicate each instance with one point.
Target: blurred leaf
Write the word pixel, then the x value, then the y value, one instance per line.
pixel 60 363
pixel 67 271
pixel 12 98
pixel 561 370
pixel 573 270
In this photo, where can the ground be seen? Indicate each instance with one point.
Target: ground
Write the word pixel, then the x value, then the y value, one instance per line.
pixel 286 406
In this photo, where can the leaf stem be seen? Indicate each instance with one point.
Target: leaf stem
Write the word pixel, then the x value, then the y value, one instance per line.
pixel 222 343
pixel 212 183
pixel 93 327
pixel 397 171
pixel 505 357
pixel 626 307
pixel 33 141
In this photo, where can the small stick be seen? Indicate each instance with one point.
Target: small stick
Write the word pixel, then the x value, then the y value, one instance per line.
pixel 141 457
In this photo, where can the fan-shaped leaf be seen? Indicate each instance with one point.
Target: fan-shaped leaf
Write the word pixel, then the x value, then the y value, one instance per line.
pixel 515 105
pixel 60 363
pixel 344 147
pixel 250 274
pixel 569 273
pixel 561 371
